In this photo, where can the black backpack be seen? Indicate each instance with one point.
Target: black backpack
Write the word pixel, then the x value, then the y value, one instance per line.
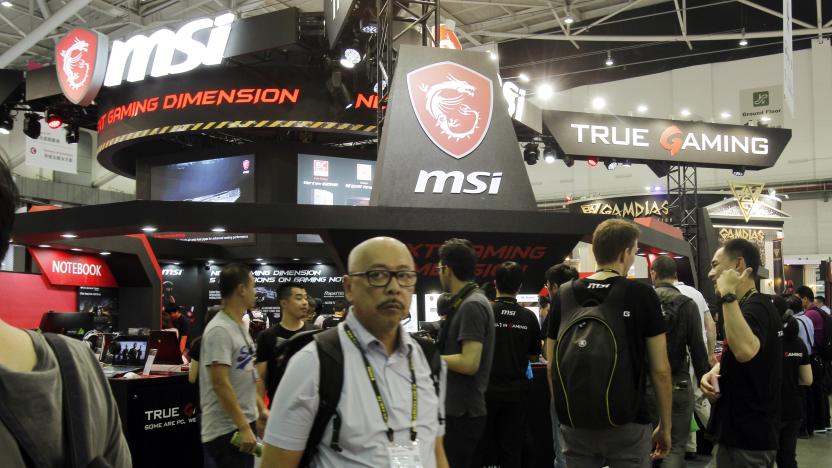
pixel 672 306
pixel 331 358
pixel 826 347
pixel 593 367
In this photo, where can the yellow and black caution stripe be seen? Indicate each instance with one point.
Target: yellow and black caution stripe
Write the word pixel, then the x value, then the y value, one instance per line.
pixel 232 124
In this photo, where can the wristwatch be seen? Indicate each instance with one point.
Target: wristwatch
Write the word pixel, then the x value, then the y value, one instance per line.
pixel 729 298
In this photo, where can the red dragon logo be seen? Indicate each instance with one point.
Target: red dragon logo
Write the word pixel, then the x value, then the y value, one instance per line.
pixel 81 58
pixel 453 105
pixel 671 139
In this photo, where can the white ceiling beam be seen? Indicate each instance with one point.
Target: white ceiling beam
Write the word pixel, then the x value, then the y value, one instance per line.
pixel 503 21
pixel 819 9
pixel 682 25
pixel 48 25
pixel 563 28
pixel 502 3
pixel 778 14
pixel 459 29
pixel 646 38
pixel 614 13
pixel 12 25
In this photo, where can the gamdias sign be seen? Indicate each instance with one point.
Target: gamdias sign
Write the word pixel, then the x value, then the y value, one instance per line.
pixel 453 104
pixel 85 61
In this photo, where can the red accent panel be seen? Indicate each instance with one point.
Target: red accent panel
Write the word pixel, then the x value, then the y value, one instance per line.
pixel 38 208
pixel 26 297
pixel 155 261
pixel 660 226
pixel 62 268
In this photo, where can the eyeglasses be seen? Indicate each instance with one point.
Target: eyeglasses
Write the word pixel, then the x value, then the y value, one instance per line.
pixel 381 278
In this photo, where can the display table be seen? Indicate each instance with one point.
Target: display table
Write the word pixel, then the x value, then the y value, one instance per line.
pixel 159 420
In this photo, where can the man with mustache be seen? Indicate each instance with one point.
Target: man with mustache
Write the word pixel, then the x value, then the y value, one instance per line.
pixel 389 412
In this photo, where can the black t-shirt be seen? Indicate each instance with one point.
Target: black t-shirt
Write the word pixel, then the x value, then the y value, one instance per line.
pixel 646 322
pixel 794 356
pixel 266 343
pixel 544 328
pixel 746 415
pixel 196 346
pixel 516 337
pixel 331 321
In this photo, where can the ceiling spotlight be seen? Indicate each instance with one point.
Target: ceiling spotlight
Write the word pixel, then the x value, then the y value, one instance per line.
pixel 657 188
pixel 626 163
pixel 73 133
pixel 7 4
pixel 743 40
pixel 6 124
pixel 369 26
pixel 149 229
pixel 568 19
pixel 76 249
pixel 765 118
pixel 725 115
pixel 685 112
pixel 592 162
pixel 353 55
pixel 642 109
pixel 104 253
pixel 549 153
pixel 45 246
pixel 549 159
pixel 599 103
pixel 258 259
pixel 69 235
pixel 210 261
pixel 296 259
pixel 609 62
pixel 53 119
pixel 545 91
pixel 611 164
pixel 218 229
pixel 531 153
pixel 678 257
pixel 523 77
pixel 568 160
pixel 263 263
pixel 493 55
pixel 648 188
pixel 347 64
pixel 738 171
pixel 31 125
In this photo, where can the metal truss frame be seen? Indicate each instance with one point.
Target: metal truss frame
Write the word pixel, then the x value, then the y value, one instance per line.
pixel 683 201
pixel 421 15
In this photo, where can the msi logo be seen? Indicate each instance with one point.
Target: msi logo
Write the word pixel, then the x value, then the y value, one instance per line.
pixel 81 58
pixel 453 105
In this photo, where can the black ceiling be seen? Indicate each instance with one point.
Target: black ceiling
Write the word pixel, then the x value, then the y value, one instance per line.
pixel 564 66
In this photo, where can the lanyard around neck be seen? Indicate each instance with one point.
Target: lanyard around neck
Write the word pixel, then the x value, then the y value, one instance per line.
pixel 379 399
pixel 747 295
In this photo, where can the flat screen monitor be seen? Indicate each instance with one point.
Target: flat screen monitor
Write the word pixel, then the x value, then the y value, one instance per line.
pixel 531 302
pixel 222 180
pixel 166 345
pixel 328 180
pixel 128 351
pixel 72 324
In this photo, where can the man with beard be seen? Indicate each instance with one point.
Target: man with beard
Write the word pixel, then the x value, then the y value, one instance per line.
pixel 745 385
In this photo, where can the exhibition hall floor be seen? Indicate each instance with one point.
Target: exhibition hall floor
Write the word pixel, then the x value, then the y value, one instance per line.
pixel 811 453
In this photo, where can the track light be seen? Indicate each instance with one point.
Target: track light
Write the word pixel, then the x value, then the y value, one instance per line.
pixel 611 164
pixel 73 134
pixel 31 125
pixel 609 62
pixel 738 171
pixel 592 162
pixel 6 124
pixel 549 154
pixel 369 26
pixel 568 160
pixel 626 163
pixel 531 153
pixel 743 40
pixel 53 119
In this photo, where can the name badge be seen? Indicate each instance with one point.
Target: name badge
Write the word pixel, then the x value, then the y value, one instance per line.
pixel 404 455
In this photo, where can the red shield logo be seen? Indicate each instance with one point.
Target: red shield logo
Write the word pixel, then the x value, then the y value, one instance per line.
pixel 81 63
pixel 453 105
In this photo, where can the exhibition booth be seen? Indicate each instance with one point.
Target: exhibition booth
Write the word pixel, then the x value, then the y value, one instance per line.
pixel 239 159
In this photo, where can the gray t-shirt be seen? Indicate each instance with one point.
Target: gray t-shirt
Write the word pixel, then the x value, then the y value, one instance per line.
pixel 473 321
pixel 224 342
pixel 35 398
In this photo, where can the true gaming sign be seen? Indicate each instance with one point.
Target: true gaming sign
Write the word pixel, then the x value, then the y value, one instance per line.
pixel 585 135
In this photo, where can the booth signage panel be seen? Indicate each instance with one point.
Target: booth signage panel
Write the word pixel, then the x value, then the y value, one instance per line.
pixel 445 144
pixel 263 98
pixel 759 103
pixel 81 63
pixel 677 142
pixel 336 13
pixel 51 151
pixel 627 207
pixel 63 268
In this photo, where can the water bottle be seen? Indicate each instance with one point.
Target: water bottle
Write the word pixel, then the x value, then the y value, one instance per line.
pixel 235 441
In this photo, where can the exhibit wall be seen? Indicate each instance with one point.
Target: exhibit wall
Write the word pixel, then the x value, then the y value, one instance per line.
pixel 807 232
pixel 27 296
pixel 706 91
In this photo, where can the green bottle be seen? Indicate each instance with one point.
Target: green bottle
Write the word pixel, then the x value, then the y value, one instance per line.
pixel 235 441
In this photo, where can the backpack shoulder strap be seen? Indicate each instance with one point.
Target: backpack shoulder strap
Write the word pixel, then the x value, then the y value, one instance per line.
pixel 77 455
pixel 568 300
pixel 331 360
pixel 431 353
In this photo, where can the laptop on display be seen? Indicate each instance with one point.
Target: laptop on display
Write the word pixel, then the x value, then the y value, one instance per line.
pixel 125 354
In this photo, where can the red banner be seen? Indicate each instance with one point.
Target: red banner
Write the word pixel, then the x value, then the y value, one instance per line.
pixel 63 268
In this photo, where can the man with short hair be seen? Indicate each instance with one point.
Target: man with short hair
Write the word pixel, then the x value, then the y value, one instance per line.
pixel 817 411
pixel 516 342
pixel 389 406
pixel 555 276
pixel 820 301
pixel 745 384
pixel 339 312
pixel 684 338
pixel 228 395
pixel 633 308
pixel 467 348
pixel 32 384
pixel 294 309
